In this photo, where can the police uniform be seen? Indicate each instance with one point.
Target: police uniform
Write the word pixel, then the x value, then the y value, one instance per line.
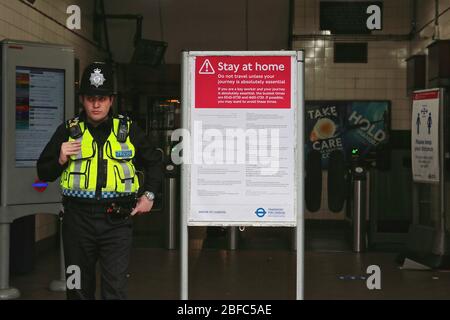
pixel 100 186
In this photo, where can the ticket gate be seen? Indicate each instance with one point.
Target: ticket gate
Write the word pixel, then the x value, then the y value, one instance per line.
pixel 359 212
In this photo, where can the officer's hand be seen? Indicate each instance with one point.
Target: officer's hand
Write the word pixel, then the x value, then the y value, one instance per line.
pixel 143 205
pixel 68 149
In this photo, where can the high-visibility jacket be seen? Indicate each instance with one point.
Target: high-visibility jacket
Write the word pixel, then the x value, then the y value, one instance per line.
pixel 79 179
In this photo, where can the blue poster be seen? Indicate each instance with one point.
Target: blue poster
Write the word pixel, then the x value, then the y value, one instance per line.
pixel 345 126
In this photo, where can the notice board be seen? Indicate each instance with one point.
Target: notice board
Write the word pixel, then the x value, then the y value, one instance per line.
pixel 425 135
pixel 243 122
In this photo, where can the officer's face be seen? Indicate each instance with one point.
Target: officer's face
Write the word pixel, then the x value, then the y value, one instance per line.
pixel 97 107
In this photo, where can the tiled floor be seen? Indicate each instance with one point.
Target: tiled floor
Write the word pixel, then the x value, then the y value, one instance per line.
pixel 255 274
pixel 264 267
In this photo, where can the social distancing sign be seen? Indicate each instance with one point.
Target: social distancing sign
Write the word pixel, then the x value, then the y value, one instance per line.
pixel 425 136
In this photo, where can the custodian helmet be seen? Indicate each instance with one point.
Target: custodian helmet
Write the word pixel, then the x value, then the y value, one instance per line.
pixel 97 80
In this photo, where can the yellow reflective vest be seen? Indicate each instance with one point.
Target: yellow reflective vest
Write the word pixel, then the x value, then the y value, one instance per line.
pixel 79 179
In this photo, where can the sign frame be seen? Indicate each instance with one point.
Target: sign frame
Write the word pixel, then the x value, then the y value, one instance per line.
pixel 298 104
pixel 192 89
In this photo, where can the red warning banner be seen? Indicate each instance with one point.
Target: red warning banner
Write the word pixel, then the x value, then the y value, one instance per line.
pixel 243 82
pixel 427 95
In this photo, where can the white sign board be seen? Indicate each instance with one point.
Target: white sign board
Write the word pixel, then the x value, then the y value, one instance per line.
pixel 425 136
pixel 243 126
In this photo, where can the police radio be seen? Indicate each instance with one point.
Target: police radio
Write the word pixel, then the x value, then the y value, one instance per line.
pixel 122 131
pixel 74 128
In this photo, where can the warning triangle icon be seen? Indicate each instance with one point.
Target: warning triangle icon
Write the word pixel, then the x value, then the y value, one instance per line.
pixel 207 68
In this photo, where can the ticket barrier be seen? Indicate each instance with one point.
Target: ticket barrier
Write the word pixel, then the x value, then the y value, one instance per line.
pixel 359 206
pixel 339 177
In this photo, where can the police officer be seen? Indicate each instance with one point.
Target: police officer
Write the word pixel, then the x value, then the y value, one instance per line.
pixel 97 157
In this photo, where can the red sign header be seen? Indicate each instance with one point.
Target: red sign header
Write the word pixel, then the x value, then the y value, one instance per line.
pixel 262 82
pixel 426 95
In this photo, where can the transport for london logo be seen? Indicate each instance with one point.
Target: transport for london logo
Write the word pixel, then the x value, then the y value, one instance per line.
pixel 260 212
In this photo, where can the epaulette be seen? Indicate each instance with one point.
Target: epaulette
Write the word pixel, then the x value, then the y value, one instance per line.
pixel 74 128
pixel 121 116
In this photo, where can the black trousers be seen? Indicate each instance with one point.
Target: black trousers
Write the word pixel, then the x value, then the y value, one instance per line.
pixel 91 235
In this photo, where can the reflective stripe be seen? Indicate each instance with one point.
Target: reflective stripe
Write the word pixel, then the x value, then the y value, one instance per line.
pixel 124 146
pixel 126 169
pixel 127 174
pixel 77 167
pixel 78 193
pixel 91 194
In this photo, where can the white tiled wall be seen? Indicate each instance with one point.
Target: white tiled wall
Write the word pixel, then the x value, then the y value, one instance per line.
pixel 382 78
pixel 20 22
pixel 396 16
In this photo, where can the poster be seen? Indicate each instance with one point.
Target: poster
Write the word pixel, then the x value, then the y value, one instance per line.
pixel 425 136
pixel 345 125
pixel 39 111
pixel 243 129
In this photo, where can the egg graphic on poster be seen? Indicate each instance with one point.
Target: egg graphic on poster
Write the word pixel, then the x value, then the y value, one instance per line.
pixel 324 128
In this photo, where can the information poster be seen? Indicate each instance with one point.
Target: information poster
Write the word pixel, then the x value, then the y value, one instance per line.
pixel 425 136
pixel 345 125
pixel 39 111
pixel 243 140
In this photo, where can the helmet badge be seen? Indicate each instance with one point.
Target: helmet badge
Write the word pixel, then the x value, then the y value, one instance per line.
pixel 97 79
